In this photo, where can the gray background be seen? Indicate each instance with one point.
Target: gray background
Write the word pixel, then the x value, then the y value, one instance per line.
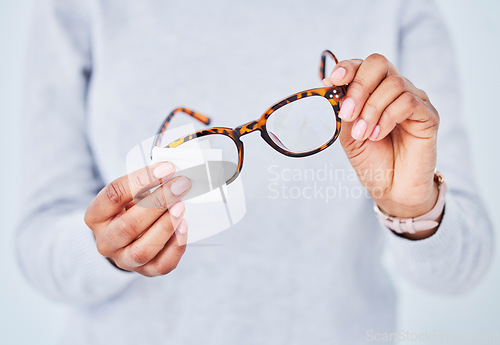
pixel 27 317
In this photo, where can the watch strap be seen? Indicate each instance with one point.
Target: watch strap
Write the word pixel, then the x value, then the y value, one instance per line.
pixel 424 222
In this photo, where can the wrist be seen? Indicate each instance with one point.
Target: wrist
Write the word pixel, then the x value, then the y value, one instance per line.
pixel 420 226
pixel 401 210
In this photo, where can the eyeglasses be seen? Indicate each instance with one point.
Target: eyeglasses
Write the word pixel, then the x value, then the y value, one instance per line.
pixel 300 125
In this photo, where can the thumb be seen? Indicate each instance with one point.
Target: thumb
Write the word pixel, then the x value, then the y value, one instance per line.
pixel 351 146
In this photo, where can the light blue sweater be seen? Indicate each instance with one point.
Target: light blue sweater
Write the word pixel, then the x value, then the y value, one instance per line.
pixel 100 78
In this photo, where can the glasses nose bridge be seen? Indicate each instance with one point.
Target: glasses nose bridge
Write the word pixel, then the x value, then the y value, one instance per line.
pixel 247 128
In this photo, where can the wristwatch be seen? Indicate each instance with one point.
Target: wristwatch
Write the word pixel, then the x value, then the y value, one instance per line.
pixel 425 222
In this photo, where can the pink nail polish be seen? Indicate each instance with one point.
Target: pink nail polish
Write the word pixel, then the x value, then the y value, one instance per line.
pixel 338 74
pixel 181 233
pixel 181 185
pixel 359 129
pixel 177 209
pixel 375 133
pixel 163 170
pixel 347 109
pixel 182 227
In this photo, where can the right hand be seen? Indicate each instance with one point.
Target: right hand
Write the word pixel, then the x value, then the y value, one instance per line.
pixel 150 236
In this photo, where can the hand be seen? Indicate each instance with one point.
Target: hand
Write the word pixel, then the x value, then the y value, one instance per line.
pixel 389 132
pixel 148 237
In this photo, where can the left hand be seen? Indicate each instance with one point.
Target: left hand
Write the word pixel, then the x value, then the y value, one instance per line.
pixel 389 133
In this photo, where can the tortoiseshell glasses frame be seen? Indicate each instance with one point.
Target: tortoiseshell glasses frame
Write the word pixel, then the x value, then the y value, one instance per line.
pixel 332 94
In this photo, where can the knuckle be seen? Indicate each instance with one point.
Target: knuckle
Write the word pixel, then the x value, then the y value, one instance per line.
pixel 436 117
pixel 139 181
pixel 87 218
pixel 370 110
pixel 104 248
pixel 425 96
pixel 160 200
pixel 115 192
pixel 434 126
pixel 389 114
pixel 124 228
pixel 397 81
pixel 181 249
pixel 357 83
pixel 378 58
pixel 163 268
pixel 146 273
pixel 411 100
pixel 138 256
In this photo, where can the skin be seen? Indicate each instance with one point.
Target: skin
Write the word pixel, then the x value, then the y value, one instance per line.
pixel 150 236
pixel 389 133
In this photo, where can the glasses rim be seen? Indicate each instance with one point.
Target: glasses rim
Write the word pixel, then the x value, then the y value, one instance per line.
pixel 333 94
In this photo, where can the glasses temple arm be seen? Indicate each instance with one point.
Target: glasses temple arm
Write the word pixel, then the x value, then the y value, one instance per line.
pixel 322 65
pixel 159 134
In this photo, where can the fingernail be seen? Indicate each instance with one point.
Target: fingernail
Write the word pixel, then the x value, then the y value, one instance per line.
pixel 181 233
pixel 375 133
pixel 338 74
pixel 182 227
pixel 180 185
pixel 163 170
pixel 359 129
pixel 177 209
pixel 347 109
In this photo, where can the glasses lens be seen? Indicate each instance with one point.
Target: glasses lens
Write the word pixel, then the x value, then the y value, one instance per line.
pixel 303 125
pixel 329 65
pixel 220 152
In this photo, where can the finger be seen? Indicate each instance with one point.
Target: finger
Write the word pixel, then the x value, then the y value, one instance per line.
pixel 386 93
pixel 129 205
pixel 115 196
pixel 168 258
pixel 369 75
pixel 122 230
pixel 408 107
pixel 343 72
pixel 145 248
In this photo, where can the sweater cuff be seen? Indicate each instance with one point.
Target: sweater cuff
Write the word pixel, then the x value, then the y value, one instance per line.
pixel 446 239
pixel 86 269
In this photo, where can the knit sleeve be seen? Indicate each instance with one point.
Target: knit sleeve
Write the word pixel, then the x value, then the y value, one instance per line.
pixel 55 249
pixel 457 256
